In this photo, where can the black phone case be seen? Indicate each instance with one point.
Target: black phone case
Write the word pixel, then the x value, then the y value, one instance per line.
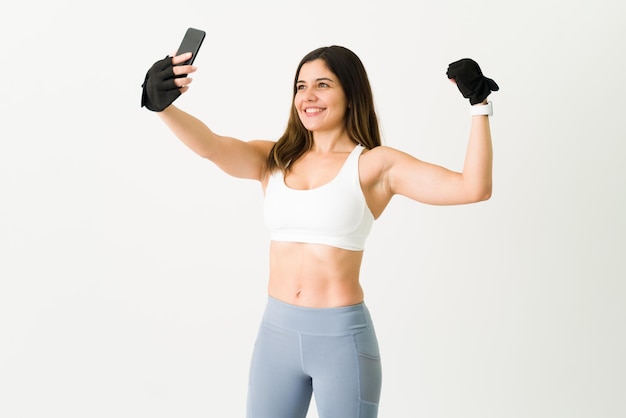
pixel 191 43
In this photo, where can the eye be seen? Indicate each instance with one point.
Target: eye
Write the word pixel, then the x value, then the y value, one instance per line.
pixel 323 85
pixel 300 87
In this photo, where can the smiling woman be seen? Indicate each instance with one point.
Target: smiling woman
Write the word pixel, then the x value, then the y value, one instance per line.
pixel 325 181
pixel 320 101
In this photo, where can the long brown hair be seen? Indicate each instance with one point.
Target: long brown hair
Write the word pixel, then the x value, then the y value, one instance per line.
pixel 361 120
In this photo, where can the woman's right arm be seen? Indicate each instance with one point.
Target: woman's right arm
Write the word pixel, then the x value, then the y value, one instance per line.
pixel 235 157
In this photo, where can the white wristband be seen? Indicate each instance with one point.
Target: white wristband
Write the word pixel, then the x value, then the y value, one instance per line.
pixel 486 109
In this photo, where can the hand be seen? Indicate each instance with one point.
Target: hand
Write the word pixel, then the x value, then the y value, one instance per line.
pixel 470 80
pixel 165 81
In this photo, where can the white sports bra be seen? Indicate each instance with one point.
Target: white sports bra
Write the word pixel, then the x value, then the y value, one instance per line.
pixel 334 214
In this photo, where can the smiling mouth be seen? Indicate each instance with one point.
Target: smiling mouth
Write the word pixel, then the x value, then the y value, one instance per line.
pixel 313 110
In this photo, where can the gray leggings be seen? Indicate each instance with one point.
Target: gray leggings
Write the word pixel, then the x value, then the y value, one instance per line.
pixel 332 352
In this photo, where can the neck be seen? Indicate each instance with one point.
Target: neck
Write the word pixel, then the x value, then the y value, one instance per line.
pixel 332 142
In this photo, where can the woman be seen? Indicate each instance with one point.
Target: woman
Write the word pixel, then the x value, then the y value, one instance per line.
pixel 325 181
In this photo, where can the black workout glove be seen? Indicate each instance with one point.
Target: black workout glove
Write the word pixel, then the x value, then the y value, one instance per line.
pixel 470 80
pixel 159 90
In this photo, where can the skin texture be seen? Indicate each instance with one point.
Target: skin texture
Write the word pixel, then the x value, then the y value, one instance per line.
pixel 316 275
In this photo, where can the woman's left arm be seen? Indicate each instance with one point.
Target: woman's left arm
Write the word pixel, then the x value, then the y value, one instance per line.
pixel 400 173
pixel 437 185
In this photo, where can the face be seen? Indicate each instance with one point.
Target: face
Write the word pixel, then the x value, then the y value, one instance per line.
pixel 320 99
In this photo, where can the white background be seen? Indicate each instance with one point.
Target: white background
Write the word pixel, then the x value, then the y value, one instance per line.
pixel 133 273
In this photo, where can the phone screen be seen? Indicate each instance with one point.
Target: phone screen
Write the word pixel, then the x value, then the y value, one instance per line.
pixel 191 43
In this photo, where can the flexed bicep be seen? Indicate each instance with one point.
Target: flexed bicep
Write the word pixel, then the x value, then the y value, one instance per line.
pixel 425 182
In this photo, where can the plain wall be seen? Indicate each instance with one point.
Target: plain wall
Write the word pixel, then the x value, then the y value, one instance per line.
pixel 133 273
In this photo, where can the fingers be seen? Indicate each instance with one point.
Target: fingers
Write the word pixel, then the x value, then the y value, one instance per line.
pixel 179 59
pixel 180 80
pixel 183 83
pixel 183 69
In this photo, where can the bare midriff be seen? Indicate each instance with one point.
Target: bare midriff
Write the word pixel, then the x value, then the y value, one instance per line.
pixel 314 275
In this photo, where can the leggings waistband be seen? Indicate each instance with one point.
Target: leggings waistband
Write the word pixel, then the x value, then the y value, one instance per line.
pixel 340 320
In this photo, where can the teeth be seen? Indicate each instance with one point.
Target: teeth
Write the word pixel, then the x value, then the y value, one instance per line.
pixel 311 110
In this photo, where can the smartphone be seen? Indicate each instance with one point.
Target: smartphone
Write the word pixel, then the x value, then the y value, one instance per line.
pixel 191 43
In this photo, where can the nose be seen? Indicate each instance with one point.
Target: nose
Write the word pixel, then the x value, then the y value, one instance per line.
pixel 309 95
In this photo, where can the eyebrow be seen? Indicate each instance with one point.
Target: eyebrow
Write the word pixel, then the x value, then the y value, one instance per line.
pixel 317 79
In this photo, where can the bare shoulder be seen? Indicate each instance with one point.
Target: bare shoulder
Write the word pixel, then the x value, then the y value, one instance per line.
pixel 385 152
pixel 374 173
pixel 378 160
pixel 374 165
pixel 381 167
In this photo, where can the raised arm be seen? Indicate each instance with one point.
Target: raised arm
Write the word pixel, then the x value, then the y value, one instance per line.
pixel 433 184
pixel 399 173
pixel 235 157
